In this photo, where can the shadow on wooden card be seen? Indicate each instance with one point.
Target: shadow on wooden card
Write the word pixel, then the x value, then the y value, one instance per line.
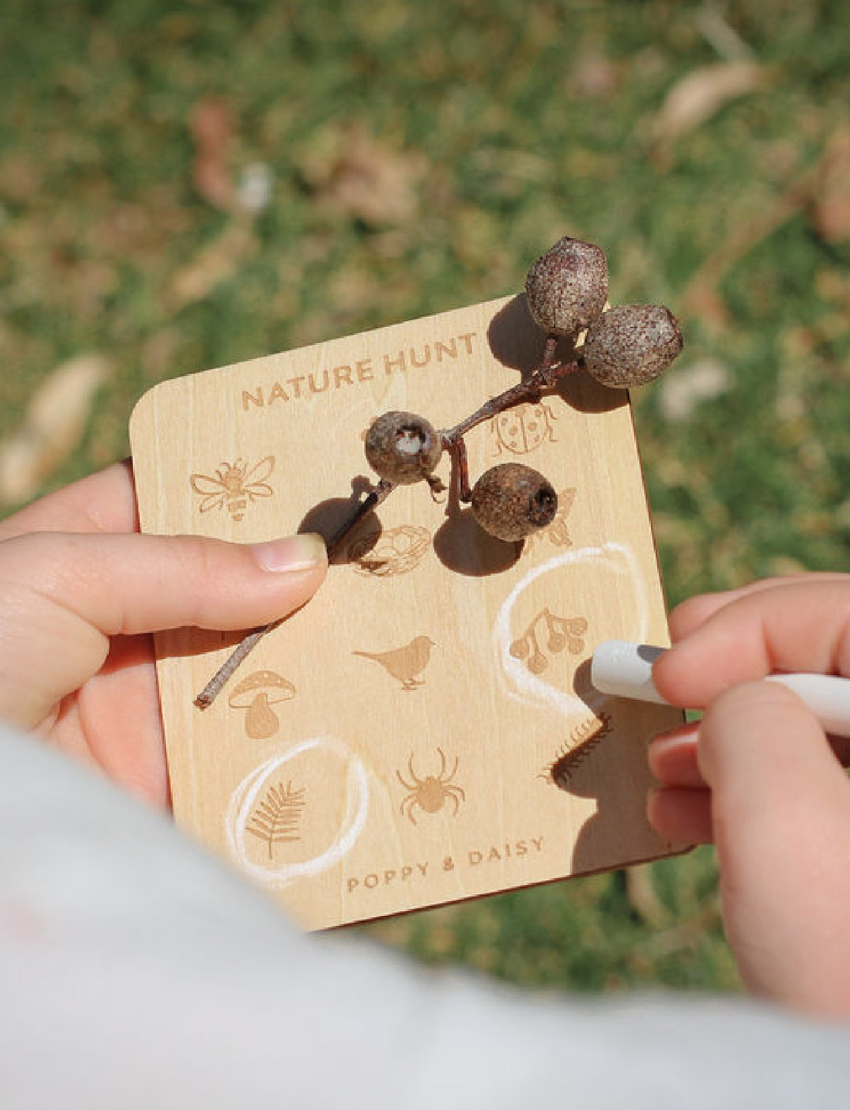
pixel 601 753
pixel 329 516
pixel 584 770
pixel 585 395
pixel 598 831
pixel 516 341
pixel 182 643
pixel 462 545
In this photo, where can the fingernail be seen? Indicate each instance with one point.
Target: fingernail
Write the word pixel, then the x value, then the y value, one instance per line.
pixel 672 737
pixel 293 553
pixel 661 744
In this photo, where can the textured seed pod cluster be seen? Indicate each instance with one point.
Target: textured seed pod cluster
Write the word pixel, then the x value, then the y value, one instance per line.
pixel 566 290
pixel 402 447
pixel 631 344
pixel 510 501
pixel 567 287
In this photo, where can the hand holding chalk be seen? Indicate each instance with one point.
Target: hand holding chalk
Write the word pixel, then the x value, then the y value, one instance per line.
pixel 624 670
pixel 755 776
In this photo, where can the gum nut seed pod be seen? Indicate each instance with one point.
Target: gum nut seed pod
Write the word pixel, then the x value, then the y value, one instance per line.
pixel 511 500
pixel 402 447
pixel 632 344
pixel 567 287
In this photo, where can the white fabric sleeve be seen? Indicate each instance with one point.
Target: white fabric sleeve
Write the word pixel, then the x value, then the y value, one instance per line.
pixel 138 973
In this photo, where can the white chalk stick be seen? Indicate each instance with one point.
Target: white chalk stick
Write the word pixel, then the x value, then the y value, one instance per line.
pixel 625 670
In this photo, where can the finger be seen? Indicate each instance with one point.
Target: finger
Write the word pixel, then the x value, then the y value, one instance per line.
pixel 681 815
pixel 841 747
pixel 690 614
pixel 102 502
pixel 63 597
pixel 795 626
pixel 763 751
pixel 124 690
pixel 672 757
pixel 781 818
pixel 126 584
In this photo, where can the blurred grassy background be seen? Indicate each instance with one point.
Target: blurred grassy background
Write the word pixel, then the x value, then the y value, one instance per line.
pixel 186 184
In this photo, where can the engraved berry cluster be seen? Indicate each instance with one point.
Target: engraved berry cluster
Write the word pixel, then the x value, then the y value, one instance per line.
pixel 566 291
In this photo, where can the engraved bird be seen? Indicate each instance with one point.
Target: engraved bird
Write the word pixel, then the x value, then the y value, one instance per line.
pixel 406 663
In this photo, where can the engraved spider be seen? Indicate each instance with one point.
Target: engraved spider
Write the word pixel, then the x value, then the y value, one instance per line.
pixel 431 792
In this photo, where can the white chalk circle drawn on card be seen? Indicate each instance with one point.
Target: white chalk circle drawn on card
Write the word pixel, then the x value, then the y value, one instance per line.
pixel 299 812
pixel 574 574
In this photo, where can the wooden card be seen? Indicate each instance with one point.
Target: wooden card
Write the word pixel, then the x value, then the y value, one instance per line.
pixel 424 730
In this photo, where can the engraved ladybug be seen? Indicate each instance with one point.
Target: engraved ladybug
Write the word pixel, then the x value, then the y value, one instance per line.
pixel 522 429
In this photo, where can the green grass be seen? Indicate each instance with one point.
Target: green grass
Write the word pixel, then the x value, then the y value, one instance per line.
pixel 512 124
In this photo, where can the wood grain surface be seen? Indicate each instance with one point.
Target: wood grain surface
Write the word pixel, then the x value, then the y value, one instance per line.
pixel 424 730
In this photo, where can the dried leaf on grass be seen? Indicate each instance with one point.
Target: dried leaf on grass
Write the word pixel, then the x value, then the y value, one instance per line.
pixel 53 425
pixel 824 183
pixel 20 176
pixel 703 302
pixel 830 209
pixel 595 77
pixel 211 128
pixel 689 933
pixel 213 132
pixel 703 380
pixel 697 96
pixel 159 353
pixel 643 897
pixel 358 175
pixel 214 263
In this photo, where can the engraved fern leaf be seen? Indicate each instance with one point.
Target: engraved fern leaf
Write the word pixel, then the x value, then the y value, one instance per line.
pixel 277 815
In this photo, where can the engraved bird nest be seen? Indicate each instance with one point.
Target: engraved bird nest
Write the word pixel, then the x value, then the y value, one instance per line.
pixel 396 551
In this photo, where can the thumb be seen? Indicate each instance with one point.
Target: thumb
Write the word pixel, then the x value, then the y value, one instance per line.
pixel 781 815
pixel 62 596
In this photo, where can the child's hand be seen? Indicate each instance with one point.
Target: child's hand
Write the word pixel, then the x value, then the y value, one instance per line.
pixel 80 591
pixel 758 776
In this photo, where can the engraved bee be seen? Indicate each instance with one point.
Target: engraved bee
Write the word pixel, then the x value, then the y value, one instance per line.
pixel 234 486
pixel 523 428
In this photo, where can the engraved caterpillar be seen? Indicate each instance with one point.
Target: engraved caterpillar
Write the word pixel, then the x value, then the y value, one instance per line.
pixel 574 751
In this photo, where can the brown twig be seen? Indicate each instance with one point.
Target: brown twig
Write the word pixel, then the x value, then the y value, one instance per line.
pixel 544 380
pixel 245 646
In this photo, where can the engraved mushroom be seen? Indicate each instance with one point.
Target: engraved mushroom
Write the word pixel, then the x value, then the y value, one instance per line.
pixel 257 694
